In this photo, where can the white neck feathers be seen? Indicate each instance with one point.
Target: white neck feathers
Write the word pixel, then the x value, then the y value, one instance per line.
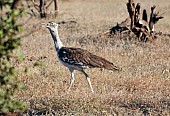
pixel 57 42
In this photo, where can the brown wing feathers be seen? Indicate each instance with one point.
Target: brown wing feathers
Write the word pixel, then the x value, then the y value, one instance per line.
pixel 102 63
pixel 82 57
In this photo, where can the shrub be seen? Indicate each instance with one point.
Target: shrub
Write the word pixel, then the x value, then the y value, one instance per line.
pixel 9 29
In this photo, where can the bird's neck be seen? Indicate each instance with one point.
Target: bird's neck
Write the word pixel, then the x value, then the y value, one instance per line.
pixel 57 42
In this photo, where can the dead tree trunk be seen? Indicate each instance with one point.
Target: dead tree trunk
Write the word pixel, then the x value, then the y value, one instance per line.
pixel 145 16
pixel 15 4
pixel 154 17
pixel 140 27
pixel 137 13
pixel 143 29
pixel 42 7
pixel 131 10
pixel 56 7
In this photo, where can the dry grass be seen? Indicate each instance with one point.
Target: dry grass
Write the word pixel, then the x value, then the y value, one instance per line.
pixel 141 88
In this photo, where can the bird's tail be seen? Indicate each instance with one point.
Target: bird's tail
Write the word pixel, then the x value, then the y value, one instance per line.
pixel 103 63
pixel 110 66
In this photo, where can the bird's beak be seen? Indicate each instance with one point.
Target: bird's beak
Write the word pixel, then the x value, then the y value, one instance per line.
pixel 46 25
pixel 43 24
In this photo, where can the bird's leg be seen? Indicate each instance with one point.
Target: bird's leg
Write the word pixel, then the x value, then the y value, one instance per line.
pixel 88 79
pixel 71 78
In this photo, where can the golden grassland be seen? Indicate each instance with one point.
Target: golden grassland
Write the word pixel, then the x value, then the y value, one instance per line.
pixel 141 88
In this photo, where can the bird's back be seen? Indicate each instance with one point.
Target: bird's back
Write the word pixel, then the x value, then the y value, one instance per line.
pixel 83 59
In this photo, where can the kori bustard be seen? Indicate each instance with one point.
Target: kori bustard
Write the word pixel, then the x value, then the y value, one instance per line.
pixel 77 58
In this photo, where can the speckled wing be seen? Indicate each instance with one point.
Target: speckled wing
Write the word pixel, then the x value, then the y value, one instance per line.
pixel 83 58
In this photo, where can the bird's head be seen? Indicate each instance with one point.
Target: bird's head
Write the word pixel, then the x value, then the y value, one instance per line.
pixel 52 26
